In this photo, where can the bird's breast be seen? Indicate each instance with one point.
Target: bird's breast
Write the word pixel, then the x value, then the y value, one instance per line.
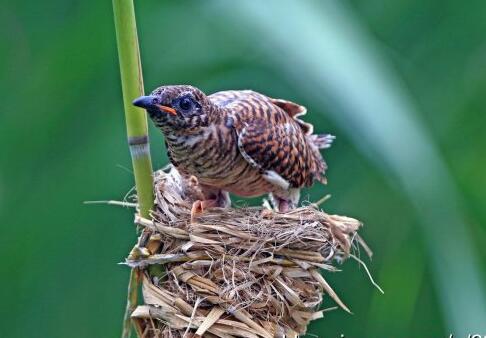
pixel 207 153
pixel 211 154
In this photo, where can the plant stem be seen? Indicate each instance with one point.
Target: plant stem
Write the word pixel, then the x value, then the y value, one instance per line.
pixel 136 121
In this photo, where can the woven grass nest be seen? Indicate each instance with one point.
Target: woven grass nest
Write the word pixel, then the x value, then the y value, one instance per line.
pixel 237 272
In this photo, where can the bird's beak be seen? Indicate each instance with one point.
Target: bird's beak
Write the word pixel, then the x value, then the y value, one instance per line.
pixel 148 101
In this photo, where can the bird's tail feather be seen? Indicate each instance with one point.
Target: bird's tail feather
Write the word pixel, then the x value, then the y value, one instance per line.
pixel 322 141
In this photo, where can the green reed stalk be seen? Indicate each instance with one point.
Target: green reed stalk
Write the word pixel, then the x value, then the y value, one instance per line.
pixel 136 121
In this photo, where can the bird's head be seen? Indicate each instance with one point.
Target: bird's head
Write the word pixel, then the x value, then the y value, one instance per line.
pixel 176 107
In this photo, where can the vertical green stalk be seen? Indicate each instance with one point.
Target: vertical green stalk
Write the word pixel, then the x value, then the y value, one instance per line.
pixel 136 121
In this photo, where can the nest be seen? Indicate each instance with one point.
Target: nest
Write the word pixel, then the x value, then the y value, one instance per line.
pixel 238 272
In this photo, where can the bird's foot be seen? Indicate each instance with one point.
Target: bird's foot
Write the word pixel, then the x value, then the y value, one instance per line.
pixel 283 206
pixel 267 213
pixel 286 203
pixel 199 206
pixel 213 199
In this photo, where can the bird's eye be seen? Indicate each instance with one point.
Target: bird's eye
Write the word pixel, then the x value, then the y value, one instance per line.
pixel 155 100
pixel 185 104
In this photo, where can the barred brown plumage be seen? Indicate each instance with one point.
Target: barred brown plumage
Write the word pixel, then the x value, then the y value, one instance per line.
pixel 238 141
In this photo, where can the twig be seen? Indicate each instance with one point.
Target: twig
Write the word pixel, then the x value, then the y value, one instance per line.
pixel 322 200
pixel 113 202
pixel 367 272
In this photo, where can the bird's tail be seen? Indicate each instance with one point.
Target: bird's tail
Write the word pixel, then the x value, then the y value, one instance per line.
pixel 322 141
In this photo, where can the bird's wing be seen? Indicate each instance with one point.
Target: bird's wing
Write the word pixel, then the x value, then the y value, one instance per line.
pixel 272 140
pixel 294 110
pixel 277 153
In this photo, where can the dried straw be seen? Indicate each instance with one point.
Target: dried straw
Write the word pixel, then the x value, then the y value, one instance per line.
pixel 246 272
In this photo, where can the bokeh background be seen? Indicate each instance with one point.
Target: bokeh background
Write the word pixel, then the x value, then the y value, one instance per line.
pixel 400 83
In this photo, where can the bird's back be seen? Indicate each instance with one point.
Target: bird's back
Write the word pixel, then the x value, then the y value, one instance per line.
pixel 249 106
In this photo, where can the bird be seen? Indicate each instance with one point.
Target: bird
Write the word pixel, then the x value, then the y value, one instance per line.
pixel 238 141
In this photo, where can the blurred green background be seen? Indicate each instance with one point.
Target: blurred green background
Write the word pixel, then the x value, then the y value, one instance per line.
pixel 400 83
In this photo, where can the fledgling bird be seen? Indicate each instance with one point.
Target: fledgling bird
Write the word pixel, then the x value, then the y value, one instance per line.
pixel 238 141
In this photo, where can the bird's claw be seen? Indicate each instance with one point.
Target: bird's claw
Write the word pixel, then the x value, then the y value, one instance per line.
pixel 199 206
